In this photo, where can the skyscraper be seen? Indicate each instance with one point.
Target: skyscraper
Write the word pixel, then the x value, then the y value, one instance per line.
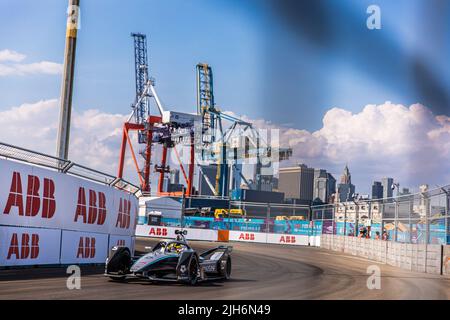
pixel 387 187
pixel 324 185
pixel 346 189
pixel 297 183
pixel 377 190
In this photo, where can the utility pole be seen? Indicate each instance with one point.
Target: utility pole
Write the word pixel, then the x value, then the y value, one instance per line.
pixel 67 83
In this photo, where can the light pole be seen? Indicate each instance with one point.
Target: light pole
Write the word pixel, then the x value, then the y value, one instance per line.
pixel 355 196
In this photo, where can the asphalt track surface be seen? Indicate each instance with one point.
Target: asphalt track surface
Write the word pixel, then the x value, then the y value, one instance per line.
pixel 260 271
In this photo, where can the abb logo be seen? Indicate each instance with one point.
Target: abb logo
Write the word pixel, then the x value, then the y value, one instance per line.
pixel 247 236
pixel 121 243
pixel 95 212
pixel 27 249
pixel 123 218
pixel 287 239
pixel 158 232
pixel 34 202
pixel 86 248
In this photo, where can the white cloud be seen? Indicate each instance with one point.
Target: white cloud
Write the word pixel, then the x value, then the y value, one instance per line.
pixel 9 55
pixel 410 144
pixel 94 140
pixel 15 68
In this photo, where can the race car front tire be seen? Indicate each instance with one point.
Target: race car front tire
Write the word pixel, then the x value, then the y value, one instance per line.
pixel 193 271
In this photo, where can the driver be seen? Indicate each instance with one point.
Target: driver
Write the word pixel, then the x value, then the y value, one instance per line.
pixel 175 248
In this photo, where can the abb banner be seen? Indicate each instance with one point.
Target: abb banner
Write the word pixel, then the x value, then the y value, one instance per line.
pixel 247 236
pixel 287 239
pixel 28 246
pixel 37 197
pixel 155 231
pixel 83 247
pixel 169 232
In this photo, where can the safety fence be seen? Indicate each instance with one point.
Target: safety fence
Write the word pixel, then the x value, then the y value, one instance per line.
pixel 229 221
pixel 421 218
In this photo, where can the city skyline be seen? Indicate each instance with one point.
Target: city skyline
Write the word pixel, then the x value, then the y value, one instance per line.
pixel 348 109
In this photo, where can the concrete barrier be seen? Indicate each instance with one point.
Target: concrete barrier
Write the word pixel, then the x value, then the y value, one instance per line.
pixel 431 258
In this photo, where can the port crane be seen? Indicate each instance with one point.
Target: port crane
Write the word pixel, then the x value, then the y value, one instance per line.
pixel 238 136
pixel 163 129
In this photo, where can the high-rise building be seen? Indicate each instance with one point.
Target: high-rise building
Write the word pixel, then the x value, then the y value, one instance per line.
pixel 345 189
pixel 324 185
pixel 405 191
pixel 377 190
pixel 297 183
pixel 387 187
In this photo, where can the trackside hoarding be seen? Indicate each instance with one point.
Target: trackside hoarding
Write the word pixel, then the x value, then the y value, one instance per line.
pixel 47 217
pixel 36 197
pixel 29 246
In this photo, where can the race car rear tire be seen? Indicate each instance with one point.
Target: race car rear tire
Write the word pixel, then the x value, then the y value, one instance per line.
pixel 193 272
pixel 228 269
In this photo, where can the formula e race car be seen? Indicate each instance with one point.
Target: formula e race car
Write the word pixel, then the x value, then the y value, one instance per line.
pixel 170 260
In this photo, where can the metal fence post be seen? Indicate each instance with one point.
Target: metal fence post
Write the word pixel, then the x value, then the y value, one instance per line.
pixel 332 219
pixel 268 218
pixel 183 207
pixel 447 218
pixel 395 220
pixel 345 219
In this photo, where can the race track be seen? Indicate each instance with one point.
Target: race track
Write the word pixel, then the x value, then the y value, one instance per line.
pixel 260 271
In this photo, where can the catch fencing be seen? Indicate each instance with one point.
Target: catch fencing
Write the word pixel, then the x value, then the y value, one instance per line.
pixel 250 222
pixel 420 218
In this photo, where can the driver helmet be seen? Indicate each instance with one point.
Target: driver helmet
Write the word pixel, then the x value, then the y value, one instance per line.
pixel 175 247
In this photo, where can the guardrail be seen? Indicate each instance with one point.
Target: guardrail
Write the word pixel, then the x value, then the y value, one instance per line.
pixel 10 152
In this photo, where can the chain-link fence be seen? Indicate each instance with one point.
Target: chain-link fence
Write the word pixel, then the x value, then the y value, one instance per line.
pixel 416 218
pixel 421 218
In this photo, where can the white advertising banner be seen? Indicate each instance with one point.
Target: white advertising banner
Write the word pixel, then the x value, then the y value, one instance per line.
pixel 169 232
pixel 155 231
pixel 123 241
pixel 83 247
pixel 290 239
pixel 29 246
pixel 246 236
pixel 35 197
pixel 201 234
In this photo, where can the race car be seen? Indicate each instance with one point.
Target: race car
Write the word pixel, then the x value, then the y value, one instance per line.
pixel 170 260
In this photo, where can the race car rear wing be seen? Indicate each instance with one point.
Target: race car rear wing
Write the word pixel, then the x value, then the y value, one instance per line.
pixel 227 249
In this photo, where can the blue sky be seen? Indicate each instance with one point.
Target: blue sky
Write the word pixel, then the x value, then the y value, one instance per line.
pixel 285 61
pixel 267 56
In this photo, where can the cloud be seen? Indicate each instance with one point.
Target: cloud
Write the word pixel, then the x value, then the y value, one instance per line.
pixel 410 144
pixel 94 139
pixel 15 68
pixel 9 55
